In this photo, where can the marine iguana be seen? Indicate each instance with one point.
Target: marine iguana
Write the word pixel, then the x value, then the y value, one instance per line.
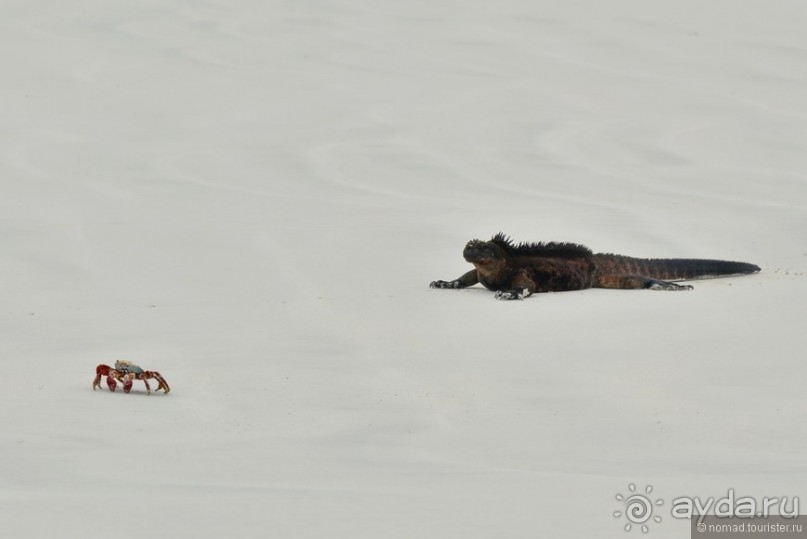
pixel 516 271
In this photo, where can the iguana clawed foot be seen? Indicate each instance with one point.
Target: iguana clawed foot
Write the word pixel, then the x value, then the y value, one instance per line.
pixel 446 284
pixel 512 294
pixel 656 284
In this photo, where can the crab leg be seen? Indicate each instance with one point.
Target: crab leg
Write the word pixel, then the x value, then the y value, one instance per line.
pixel 127 382
pixel 162 383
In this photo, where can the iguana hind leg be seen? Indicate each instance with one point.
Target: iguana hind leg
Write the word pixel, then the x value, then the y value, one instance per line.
pixel 638 281
pixel 656 284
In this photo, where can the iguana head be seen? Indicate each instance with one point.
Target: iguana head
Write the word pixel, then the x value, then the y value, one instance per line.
pixel 487 257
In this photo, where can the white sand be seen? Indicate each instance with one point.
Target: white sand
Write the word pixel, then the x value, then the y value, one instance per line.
pixel 252 197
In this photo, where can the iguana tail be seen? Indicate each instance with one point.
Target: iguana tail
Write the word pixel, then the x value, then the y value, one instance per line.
pixel 670 269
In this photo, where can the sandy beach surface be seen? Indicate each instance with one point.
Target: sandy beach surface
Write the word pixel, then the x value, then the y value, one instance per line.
pixel 252 198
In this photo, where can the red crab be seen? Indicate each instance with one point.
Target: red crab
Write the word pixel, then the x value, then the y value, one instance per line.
pixel 127 373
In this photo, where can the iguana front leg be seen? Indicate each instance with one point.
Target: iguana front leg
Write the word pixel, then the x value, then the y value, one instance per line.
pixel 513 294
pixel 469 279
pixel 523 287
